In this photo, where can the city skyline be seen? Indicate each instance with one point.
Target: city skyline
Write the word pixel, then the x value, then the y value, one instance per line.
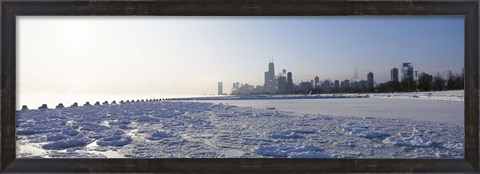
pixel 282 83
pixel 163 56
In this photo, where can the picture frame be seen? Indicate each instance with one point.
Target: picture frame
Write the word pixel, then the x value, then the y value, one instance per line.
pixel 11 9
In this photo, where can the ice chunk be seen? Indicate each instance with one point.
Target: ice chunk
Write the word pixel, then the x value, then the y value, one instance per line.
pixel 67 143
pixel 451 145
pixel 74 105
pixel 284 135
pixel 43 107
pixel 123 126
pixel 70 132
pixel 87 104
pixel 412 141
pixel 232 153
pixel 60 106
pixel 118 122
pixel 116 140
pixel 24 108
pixel 147 119
pixel 56 137
pixel 272 151
pixel 285 149
pixel 346 143
pixel 157 135
pixel 361 132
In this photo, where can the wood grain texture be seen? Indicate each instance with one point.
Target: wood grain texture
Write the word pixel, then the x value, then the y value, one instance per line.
pixel 10 9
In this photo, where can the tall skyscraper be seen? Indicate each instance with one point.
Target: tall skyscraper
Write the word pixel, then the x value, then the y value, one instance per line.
pixel 337 84
pixel 220 88
pixel 394 75
pixel 317 82
pixel 289 83
pixel 271 68
pixel 270 85
pixel 407 70
pixel 370 80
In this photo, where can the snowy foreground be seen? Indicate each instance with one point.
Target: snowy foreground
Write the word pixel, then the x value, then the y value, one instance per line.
pixel 167 129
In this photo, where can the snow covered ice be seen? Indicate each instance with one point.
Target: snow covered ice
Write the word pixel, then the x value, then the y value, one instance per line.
pixel 186 129
pixel 454 95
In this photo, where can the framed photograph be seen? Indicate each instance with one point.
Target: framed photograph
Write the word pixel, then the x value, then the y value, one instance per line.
pixel 239 86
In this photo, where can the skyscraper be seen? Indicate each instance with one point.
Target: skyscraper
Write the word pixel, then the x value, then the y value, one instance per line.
pixel 271 68
pixel 394 75
pixel 270 85
pixel 220 88
pixel 289 83
pixel 370 81
pixel 407 70
pixel 337 84
pixel 317 82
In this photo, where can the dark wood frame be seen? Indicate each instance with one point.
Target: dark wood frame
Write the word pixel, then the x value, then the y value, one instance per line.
pixel 10 9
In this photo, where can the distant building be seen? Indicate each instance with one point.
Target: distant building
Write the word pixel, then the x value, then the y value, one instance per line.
pixel 220 88
pixel 282 84
pixel 394 75
pixel 354 85
pixel 305 86
pixel 317 82
pixel 355 75
pixel 363 84
pixel 345 84
pixel 290 86
pixel 327 85
pixel 270 85
pixel 337 84
pixel 235 87
pixel 370 80
pixel 407 71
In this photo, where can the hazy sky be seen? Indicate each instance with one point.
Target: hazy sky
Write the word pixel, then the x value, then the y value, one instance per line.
pixel 159 56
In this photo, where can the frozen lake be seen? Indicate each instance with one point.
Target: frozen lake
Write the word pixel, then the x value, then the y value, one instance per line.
pixel 420 110
pixel 399 125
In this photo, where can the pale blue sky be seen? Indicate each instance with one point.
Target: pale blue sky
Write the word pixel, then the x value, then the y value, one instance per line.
pixel 159 56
